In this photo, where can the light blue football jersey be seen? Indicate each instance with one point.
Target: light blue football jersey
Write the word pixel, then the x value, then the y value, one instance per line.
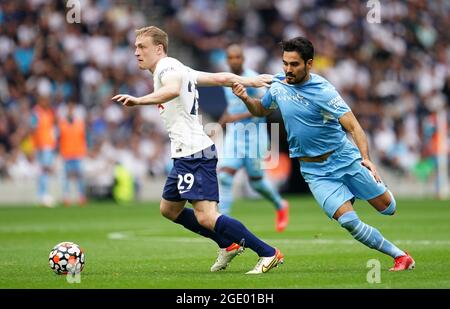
pixel 240 134
pixel 311 113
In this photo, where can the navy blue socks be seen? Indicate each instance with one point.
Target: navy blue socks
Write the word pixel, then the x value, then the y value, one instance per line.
pixel 238 233
pixel 188 220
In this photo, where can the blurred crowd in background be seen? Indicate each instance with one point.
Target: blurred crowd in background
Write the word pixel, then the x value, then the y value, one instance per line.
pixel 45 58
pixel 395 74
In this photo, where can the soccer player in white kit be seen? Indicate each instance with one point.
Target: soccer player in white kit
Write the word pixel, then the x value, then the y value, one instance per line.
pixel 193 177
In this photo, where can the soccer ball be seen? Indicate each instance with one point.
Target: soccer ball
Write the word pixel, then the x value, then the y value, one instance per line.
pixel 66 257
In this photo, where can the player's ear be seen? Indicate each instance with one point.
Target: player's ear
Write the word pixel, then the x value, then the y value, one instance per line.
pixel 309 63
pixel 161 49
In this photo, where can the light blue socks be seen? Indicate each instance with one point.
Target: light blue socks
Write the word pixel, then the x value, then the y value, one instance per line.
pixel 263 187
pixel 368 235
pixel 226 192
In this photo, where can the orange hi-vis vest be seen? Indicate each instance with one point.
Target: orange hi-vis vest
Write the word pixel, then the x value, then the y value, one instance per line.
pixel 72 142
pixel 44 133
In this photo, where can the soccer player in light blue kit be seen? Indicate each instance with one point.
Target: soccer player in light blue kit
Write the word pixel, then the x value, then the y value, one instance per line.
pixel 317 120
pixel 245 146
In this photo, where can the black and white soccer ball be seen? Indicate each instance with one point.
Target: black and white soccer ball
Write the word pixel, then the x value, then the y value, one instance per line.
pixel 66 258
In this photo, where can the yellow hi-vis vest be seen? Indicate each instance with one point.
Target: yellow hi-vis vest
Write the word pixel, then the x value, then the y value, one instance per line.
pixel 123 190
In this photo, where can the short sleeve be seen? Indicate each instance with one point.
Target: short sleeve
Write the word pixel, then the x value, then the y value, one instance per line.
pixel 167 71
pixel 193 73
pixel 167 68
pixel 268 102
pixel 333 103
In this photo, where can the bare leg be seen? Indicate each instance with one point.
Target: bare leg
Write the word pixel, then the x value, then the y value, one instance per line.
pixel 384 203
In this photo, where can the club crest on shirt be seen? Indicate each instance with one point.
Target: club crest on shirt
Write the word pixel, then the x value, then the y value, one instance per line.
pixel 326 116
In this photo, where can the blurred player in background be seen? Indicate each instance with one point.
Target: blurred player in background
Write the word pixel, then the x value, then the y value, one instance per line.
pixel 73 148
pixel 193 177
pixel 44 142
pixel 245 146
pixel 317 120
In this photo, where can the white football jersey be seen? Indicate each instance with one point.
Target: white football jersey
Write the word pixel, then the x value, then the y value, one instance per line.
pixel 180 115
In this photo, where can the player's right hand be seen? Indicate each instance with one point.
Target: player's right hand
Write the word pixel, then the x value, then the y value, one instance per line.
pixel 263 80
pixel 240 91
pixel 126 100
pixel 371 167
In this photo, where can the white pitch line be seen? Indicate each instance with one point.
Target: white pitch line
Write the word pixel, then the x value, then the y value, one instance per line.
pixel 132 235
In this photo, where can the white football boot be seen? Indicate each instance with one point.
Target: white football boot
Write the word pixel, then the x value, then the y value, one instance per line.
pixel 267 263
pixel 225 256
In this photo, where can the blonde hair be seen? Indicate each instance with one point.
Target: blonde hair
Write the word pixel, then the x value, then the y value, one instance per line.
pixel 158 36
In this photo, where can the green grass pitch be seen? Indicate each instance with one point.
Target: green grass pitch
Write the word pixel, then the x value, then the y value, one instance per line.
pixel 134 247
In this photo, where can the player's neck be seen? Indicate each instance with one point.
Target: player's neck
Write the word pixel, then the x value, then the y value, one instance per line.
pixel 153 66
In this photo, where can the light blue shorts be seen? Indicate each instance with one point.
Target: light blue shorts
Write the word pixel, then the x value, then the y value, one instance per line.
pixel 246 154
pixel 253 167
pixel 340 178
pixel 46 157
pixel 73 167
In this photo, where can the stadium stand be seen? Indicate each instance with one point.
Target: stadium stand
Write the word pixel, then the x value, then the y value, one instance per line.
pixel 395 74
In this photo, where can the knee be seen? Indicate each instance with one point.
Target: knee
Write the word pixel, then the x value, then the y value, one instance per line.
pixel 225 178
pixel 169 212
pixel 390 209
pixel 349 221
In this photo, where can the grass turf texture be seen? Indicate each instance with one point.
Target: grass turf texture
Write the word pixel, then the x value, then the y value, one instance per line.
pixel 134 247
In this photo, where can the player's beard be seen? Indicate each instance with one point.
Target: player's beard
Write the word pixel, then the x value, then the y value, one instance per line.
pixel 300 80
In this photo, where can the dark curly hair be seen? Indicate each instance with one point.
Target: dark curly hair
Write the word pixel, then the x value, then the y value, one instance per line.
pixel 301 45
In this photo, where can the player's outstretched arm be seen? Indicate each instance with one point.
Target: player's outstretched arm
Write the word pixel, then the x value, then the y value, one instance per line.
pixel 171 84
pixel 253 104
pixel 228 79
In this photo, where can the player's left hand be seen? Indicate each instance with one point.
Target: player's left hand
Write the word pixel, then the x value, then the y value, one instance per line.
pixel 126 100
pixel 240 91
pixel 371 167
